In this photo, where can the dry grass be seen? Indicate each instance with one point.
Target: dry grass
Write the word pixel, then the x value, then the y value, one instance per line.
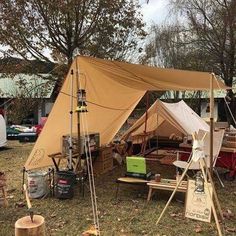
pixel 130 215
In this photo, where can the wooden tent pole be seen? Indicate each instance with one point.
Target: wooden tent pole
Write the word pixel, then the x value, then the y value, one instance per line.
pixel 175 190
pixel 214 192
pixel 157 130
pixel 211 121
pixel 146 114
pixel 212 203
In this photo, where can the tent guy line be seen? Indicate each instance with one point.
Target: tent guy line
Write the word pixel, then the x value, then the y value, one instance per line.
pixel 96 104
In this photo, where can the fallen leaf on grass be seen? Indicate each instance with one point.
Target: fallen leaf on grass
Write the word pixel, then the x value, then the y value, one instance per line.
pixel 230 230
pixel 228 214
pixel 19 204
pixel 11 190
pixel 134 201
pixel 53 215
pixel 198 229
pixel 177 215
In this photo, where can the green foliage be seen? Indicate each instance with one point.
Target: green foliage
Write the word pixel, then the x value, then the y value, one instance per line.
pixel 101 28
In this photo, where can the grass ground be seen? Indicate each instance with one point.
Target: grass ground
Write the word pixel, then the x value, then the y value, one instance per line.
pixel 128 215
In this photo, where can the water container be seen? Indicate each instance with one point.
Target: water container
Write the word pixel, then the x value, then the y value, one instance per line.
pixel 65 181
pixel 37 184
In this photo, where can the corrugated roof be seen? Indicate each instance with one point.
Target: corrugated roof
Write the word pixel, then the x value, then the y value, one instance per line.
pixel 26 85
pixel 193 94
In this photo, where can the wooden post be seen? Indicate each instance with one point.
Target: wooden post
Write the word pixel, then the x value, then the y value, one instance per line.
pixel 175 190
pixel 157 135
pixel 214 192
pixel 212 203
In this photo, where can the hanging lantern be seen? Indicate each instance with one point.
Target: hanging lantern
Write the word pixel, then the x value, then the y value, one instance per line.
pixel 81 96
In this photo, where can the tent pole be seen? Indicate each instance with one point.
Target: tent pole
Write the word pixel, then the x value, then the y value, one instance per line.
pixel 71 120
pixel 157 131
pixel 78 163
pixel 146 115
pixel 211 122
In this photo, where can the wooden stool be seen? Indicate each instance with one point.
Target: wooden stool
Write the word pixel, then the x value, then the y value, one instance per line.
pixel 25 227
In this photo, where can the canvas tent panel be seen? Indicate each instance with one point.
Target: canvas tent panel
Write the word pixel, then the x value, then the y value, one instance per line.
pixel 179 116
pixel 186 117
pixel 113 90
pixel 3 132
pixel 104 116
pixel 144 77
pixel 166 129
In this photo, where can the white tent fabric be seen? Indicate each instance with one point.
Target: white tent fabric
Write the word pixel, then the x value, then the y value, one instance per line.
pixel 217 143
pixel 167 118
pixel 3 134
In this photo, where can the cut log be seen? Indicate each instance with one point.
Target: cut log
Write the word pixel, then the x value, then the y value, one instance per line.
pixel 25 227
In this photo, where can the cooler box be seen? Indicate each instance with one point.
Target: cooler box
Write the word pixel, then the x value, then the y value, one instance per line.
pixel 27 137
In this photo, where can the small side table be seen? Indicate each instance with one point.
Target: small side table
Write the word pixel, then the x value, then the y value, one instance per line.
pixel 129 180
pixel 165 184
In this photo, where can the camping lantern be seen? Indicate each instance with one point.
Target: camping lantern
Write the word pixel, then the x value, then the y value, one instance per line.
pixel 81 96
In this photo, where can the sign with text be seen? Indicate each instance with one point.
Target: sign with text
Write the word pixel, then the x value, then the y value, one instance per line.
pixel 198 203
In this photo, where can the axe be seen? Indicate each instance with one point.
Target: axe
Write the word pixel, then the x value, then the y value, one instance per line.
pixel 31 213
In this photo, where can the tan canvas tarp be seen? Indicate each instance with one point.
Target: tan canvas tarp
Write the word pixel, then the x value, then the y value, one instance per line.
pixel 165 119
pixel 113 90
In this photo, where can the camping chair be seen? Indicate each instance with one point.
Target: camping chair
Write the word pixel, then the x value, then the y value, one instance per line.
pixel 217 142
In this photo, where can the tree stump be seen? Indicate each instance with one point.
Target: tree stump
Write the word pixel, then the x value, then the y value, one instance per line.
pixel 25 227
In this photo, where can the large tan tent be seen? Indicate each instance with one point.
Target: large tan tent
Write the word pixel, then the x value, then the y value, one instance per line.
pixel 113 90
pixel 165 119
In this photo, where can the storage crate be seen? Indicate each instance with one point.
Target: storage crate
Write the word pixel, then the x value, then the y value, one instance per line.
pixel 104 162
pixel 105 153
pixel 102 167
pixel 93 140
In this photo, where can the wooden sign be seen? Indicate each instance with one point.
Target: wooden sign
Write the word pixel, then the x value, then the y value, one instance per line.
pixel 198 203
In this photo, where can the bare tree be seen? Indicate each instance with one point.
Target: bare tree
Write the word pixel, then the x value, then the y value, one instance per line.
pixel 213 23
